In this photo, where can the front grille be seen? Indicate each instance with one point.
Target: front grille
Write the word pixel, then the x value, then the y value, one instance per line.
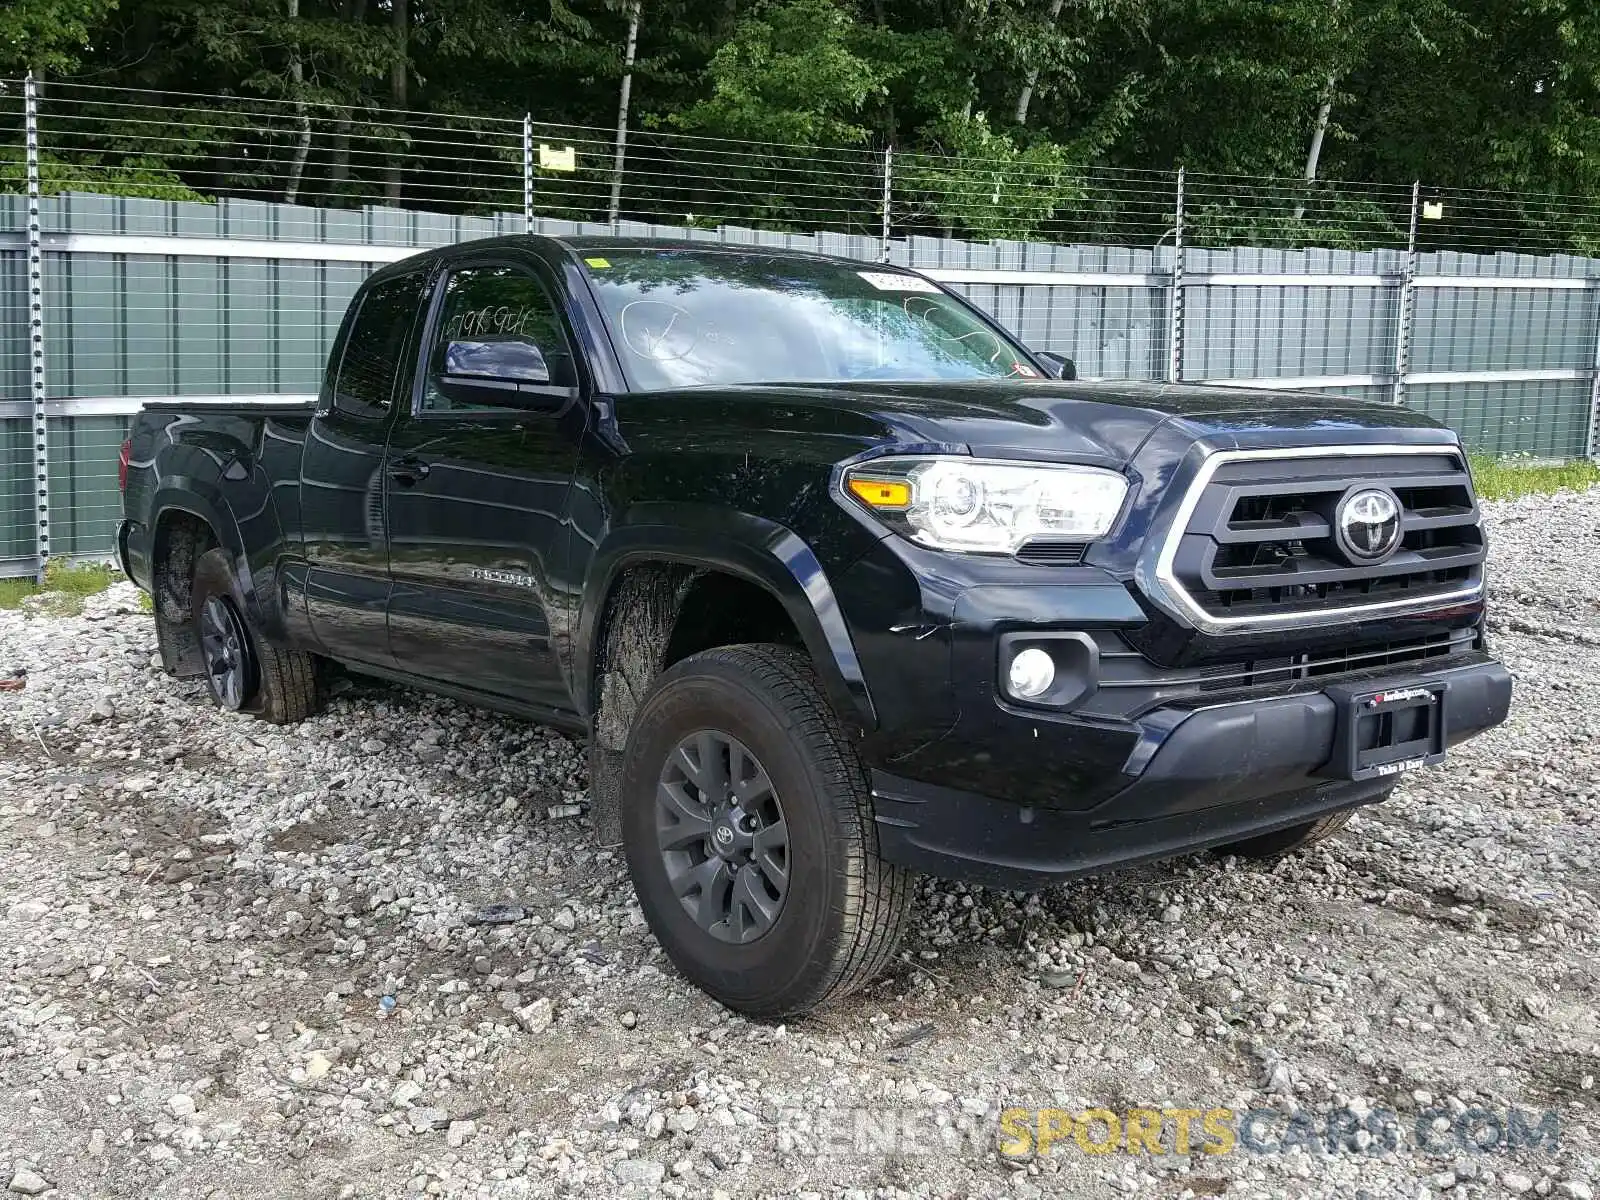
pixel 1265 671
pixel 1123 668
pixel 1130 683
pixel 1259 545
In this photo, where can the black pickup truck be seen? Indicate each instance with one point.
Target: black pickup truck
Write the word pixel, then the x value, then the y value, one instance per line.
pixel 840 582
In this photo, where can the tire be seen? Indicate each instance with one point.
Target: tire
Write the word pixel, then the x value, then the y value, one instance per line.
pixel 843 910
pixel 1281 842
pixel 177 645
pixel 275 685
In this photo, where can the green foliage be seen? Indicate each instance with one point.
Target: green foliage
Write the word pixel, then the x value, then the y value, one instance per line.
pixel 1509 477
pixel 1032 101
pixel 983 184
pixel 49 35
pixel 1250 217
pixel 64 589
pixel 133 175
pixel 789 74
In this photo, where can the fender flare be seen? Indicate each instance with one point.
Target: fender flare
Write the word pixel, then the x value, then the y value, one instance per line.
pixel 186 494
pixel 752 548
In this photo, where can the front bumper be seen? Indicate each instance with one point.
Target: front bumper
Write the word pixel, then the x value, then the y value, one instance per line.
pixel 1193 776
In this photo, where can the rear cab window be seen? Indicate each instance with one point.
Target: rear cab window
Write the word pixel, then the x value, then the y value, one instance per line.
pixel 370 369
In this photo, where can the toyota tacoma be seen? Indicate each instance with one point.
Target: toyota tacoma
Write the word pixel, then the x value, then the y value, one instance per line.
pixel 841 583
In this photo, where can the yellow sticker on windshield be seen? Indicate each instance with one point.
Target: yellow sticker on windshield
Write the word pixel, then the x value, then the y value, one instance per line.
pixel 597 262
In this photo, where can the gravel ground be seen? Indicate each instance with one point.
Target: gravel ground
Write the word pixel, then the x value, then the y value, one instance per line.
pixel 242 961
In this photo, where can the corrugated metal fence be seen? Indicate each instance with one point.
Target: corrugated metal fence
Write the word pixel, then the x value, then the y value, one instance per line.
pixel 149 298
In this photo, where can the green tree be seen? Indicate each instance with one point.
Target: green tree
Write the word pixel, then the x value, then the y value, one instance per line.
pixel 49 36
pixel 791 73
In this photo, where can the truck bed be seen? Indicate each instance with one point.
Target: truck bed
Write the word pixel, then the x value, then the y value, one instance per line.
pixel 240 407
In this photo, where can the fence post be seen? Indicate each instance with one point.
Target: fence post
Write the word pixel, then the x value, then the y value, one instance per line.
pixel 1591 441
pixel 41 429
pixel 888 195
pixel 1175 302
pixel 1408 302
pixel 527 172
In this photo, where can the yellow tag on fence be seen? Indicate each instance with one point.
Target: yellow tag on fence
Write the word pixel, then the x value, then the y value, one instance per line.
pixel 551 159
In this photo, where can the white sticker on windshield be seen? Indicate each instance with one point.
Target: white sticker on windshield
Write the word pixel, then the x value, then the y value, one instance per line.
pixel 893 281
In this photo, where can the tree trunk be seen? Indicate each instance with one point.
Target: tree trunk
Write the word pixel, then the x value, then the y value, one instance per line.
pixel 972 76
pixel 1026 98
pixel 398 76
pixel 622 110
pixel 339 173
pixel 297 83
pixel 1314 154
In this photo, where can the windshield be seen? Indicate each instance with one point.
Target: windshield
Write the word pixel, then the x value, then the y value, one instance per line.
pixel 687 318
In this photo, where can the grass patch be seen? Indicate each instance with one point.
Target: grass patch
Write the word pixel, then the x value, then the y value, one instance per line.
pixel 1508 478
pixel 66 585
pixel 12 591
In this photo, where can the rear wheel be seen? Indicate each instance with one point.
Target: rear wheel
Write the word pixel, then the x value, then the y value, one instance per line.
pixel 747 825
pixel 242 670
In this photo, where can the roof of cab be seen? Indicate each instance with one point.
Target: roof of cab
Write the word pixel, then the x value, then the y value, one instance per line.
pixel 575 246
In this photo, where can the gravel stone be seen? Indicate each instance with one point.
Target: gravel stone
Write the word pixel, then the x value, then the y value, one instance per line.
pixel 537 1016
pixel 286 928
pixel 639 1172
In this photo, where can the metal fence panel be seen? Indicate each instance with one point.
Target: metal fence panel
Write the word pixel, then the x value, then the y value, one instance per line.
pixel 16 497
pixel 83 465
pixel 13 318
pixel 1504 329
pixel 1542 418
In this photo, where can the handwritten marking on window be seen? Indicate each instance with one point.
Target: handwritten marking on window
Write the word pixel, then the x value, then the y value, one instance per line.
pixel 502 319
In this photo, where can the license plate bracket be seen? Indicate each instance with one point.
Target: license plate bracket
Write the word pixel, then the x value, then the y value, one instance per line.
pixel 1386 731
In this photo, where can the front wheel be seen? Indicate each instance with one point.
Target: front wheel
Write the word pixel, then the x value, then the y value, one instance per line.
pixel 242 670
pixel 747 826
pixel 1282 842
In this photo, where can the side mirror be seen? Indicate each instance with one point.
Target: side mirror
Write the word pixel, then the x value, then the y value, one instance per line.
pixel 1059 366
pixel 503 362
pixel 499 374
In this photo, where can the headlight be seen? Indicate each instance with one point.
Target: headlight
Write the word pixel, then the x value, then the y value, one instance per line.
pixel 985 507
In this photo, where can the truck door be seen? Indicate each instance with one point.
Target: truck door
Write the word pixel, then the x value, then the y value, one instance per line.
pixel 341 471
pixel 476 493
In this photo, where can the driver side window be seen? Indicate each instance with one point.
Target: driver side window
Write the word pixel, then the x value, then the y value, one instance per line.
pixel 490 305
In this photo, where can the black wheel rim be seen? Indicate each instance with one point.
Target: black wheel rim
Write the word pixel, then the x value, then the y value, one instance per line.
pixel 226 652
pixel 722 836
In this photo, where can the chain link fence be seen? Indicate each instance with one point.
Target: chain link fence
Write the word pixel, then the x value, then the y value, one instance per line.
pixel 186 245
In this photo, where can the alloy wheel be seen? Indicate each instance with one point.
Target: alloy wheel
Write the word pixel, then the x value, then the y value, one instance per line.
pixel 226 651
pixel 722 836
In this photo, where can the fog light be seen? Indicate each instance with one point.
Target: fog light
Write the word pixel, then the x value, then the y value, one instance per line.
pixel 1031 674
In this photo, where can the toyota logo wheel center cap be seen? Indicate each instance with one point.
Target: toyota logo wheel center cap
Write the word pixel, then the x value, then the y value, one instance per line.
pixel 1366 525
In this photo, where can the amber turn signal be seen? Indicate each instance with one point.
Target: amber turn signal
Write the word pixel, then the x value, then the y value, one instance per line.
pixel 882 493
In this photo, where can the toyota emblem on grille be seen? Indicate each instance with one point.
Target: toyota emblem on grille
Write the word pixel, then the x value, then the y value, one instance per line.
pixel 1367 525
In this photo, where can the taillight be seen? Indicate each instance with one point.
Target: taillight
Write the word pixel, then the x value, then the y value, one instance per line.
pixel 122 463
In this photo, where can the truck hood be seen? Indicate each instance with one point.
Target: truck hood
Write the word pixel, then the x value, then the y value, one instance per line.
pixel 1108 421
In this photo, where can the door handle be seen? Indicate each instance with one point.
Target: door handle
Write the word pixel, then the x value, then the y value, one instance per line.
pixel 408 470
